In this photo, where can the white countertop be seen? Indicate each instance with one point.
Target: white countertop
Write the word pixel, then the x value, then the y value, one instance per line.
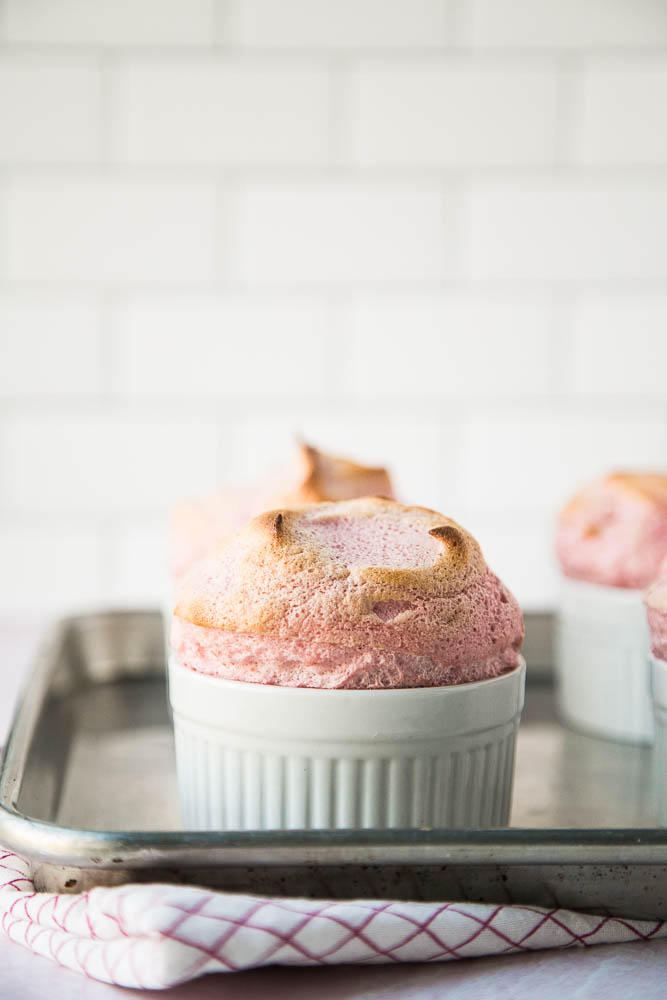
pixel 583 974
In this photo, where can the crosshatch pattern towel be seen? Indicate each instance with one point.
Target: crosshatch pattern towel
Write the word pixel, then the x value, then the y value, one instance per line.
pixel 156 936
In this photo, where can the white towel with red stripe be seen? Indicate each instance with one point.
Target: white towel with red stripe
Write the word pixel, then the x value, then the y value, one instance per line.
pixel 156 936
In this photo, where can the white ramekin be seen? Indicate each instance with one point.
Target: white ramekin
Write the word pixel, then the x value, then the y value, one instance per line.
pixel 659 690
pixel 602 661
pixel 259 757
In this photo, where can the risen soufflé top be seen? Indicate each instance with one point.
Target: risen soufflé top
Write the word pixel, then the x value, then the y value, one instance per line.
pixel 358 594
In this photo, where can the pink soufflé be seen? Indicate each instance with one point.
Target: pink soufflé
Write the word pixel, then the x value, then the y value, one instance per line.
pixel 655 600
pixel 356 594
pixel 197 526
pixel 614 532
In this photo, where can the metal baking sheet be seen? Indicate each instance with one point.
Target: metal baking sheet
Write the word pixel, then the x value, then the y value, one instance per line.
pixel 88 794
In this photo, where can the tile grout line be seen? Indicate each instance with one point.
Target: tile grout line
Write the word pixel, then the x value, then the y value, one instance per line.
pixel 441 50
pixel 629 177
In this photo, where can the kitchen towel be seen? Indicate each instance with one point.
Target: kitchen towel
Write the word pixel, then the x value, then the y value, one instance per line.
pixel 156 936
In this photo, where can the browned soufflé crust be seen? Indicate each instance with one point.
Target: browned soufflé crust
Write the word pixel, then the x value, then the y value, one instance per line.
pixel 278 554
pixel 325 477
pixel 313 476
pixel 359 593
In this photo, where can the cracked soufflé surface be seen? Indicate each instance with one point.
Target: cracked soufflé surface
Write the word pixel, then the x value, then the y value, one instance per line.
pixel 356 594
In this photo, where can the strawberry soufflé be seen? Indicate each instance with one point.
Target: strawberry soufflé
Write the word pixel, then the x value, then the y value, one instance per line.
pixel 360 594
pixel 614 531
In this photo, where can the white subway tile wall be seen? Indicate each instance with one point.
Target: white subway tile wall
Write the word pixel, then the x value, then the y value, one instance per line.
pixel 50 109
pixel 622 114
pixel 343 232
pixel 568 231
pixel 454 346
pixel 110 22
pixel 431 233
pixel 339 23
pixel 49 347
pixel 430 112
pixel 239 111
pixel 108 228
pixel 222 348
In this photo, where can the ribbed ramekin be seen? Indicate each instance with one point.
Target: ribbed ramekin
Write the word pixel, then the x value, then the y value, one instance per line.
pixel 659 690
pixel 259 757
pixel 603 661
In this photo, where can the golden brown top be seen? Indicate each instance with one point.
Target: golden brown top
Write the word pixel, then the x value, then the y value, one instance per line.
pixel 329 561
pixel 321 477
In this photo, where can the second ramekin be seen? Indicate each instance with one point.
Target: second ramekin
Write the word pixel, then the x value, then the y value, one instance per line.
pixel 260 757
pixel 603 661
pixel 659 690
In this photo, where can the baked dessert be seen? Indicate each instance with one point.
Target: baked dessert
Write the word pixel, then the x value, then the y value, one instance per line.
pixel 614 532
pixel 359 594
pixel 313 476
pixel 611 538
pixel 351 664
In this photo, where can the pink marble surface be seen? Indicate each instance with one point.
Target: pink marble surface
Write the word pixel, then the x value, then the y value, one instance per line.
pixel 617 970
